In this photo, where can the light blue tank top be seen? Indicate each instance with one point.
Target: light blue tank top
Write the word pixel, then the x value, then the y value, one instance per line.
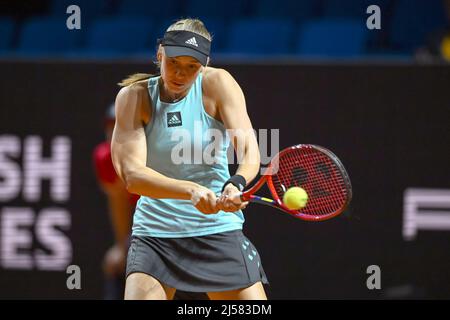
pixel 180 140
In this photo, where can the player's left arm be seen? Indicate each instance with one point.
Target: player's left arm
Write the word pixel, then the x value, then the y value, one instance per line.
pixel 231 104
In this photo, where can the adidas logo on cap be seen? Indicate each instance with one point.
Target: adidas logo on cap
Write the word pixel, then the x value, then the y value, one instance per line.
pixel 174 119
pixel 192 41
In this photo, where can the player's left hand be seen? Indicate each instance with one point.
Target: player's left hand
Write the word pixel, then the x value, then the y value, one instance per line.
pixel 230 200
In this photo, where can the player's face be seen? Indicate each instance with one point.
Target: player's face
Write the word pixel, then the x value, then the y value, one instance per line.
pixel 179 73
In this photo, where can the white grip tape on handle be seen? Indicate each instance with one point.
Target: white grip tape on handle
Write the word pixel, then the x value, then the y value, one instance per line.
pixel 234 199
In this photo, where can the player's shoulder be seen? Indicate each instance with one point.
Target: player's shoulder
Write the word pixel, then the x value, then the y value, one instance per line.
pixel 213 75
pixel 217 80
pixel 134 97
pixel 133 90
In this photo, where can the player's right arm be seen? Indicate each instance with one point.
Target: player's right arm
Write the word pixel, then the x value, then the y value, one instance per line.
pixel 129 154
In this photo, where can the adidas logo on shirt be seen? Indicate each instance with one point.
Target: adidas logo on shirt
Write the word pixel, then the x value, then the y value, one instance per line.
pixel 192 41
pixel 174 119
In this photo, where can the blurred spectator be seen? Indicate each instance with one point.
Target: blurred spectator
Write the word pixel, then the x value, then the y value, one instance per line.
pixel 120 206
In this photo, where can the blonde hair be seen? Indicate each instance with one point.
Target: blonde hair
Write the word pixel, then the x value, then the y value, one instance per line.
pixel 189 24
pixel 192 25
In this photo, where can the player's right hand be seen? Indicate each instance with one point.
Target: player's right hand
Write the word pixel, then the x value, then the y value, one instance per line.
pixel 204 200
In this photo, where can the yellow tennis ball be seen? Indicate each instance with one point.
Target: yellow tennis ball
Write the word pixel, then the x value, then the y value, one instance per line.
pixel 295 198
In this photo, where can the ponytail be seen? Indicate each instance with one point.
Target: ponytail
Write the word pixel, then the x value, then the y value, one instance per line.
pixel 134 78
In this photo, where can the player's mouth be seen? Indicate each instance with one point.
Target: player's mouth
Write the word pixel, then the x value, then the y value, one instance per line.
pixel 178 84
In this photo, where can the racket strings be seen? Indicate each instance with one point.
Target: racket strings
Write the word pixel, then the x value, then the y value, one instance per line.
pixel 317 174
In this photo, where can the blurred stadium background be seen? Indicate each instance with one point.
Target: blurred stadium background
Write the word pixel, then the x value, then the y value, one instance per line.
pixel 378 98
pixel 242 28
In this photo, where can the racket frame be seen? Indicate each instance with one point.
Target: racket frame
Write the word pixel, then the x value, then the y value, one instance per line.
pixel 277 203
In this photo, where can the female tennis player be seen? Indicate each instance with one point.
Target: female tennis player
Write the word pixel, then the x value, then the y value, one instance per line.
pixel 184 235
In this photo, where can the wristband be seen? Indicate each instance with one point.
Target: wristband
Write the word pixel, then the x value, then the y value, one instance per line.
pixel 237 180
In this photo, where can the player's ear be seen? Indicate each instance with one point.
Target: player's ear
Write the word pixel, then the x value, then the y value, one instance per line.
pixel 159 54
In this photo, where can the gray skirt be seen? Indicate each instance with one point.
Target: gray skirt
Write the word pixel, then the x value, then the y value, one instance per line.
pixel 212 263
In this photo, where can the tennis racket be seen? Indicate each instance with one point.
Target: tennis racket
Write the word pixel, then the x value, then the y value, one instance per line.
pixel 315 169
